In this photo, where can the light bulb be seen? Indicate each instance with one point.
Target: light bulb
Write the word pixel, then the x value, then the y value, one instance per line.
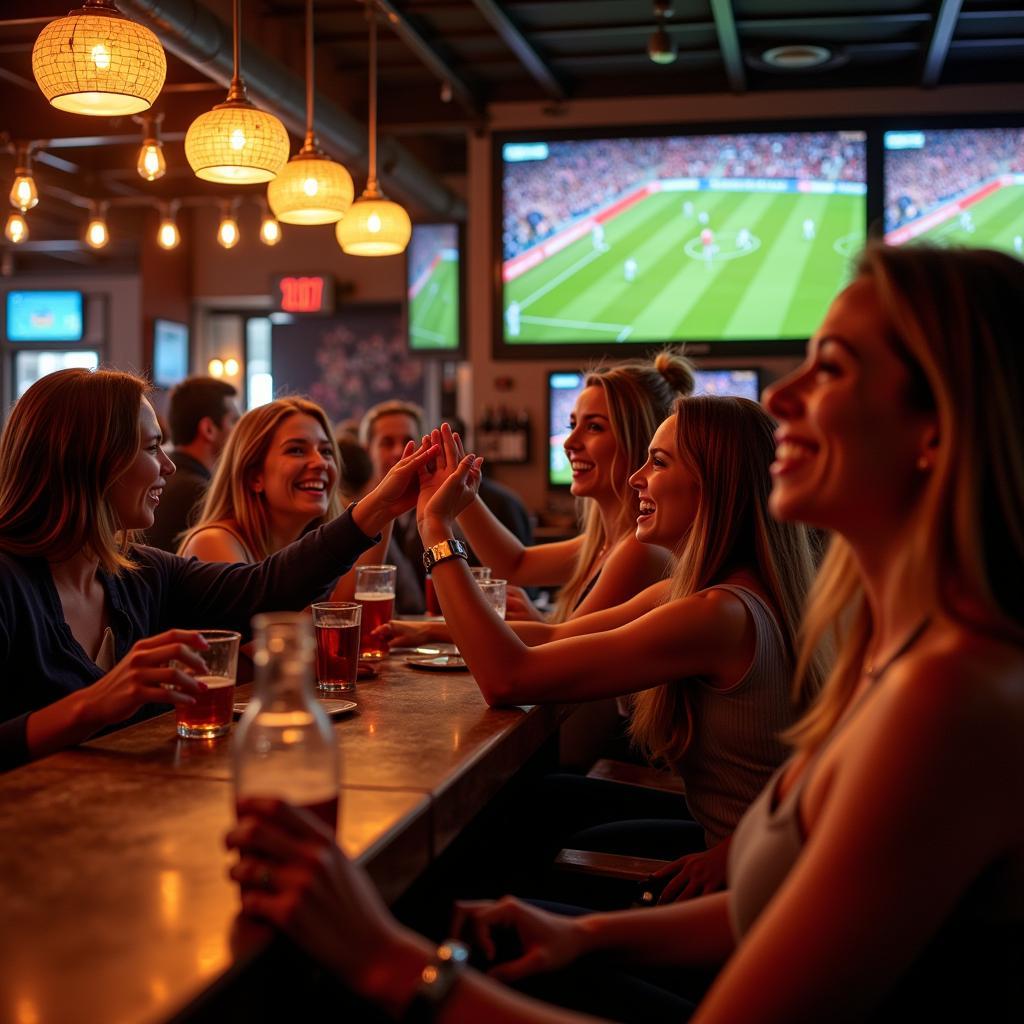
pixel 16 229
pixel 101 57
pixel 216 368
pixel 96 234
pixel 270 231
pixel 231 367
pixel 238 139
pixel 373 223
pixel 152 164
pixel 227 233
pixel 24 194
pixel 168 236
pixel 310 187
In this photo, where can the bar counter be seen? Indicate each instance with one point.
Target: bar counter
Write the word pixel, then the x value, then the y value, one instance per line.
pixel 113 873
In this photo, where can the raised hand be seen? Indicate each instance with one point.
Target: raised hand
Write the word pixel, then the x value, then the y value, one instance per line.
pixel 449 483
pixel 546 941
pixel 397 492
pixel 694 874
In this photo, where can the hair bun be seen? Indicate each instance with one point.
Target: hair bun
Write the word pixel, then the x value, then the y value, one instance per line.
pixel 677 370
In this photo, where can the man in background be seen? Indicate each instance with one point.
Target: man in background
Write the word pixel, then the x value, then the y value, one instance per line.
pixel 202 412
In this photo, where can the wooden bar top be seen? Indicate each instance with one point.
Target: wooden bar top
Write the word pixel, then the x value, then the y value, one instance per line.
pixel 113 873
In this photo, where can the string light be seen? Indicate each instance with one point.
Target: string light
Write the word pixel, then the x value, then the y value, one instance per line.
pixel 236 143
pixel 151 163
pixel 231 367
pixel 96 61
pixel 228 233
pixel 216 367
pixel 16 229
pixel 374 226
pixel 24 194
pixel 97 235
pixel 167 235
pixel 270 230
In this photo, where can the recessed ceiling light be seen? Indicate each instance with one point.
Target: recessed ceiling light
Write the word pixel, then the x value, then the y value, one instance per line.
pixel 796 56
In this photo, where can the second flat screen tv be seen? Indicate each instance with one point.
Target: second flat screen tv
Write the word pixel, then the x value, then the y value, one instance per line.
pixel 718 238
pixel 433 279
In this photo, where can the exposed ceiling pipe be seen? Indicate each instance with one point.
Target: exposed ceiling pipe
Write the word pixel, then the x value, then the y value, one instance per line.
pixel 190 31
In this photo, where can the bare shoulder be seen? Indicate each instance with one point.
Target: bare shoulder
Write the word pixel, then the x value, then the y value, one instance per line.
pixel 629 552
pixel 215 543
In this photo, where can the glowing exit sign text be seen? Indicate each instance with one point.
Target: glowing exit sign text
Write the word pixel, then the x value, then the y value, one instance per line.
pixel 307 293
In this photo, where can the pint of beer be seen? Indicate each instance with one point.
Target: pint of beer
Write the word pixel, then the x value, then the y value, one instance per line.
pixel 375 591
pixel 211 714
pixel 337 644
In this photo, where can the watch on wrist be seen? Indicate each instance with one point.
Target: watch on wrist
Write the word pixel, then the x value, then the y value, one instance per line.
pixel 451 548
pixel 436 981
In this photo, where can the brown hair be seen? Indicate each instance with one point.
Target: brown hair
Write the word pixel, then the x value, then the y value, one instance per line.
pixel 956 317
pixel 640 394
pixel 231 499
pixel 68 440
pixel 728 444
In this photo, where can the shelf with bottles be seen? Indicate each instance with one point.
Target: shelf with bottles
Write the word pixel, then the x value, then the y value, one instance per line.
pixel 503 436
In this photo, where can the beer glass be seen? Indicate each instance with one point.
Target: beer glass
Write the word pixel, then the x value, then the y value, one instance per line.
pixel 211 714
pixel 375 591
pixel 433 605
pixel 337 644
pixel 496 593
pixel 480 572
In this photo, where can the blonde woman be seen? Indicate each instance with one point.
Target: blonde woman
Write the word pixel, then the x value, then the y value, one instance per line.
pixel 878 875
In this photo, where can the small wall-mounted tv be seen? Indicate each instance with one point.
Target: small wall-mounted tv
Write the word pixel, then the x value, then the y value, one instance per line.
pixel 433 289
pixel 955 186
pixel 564 387
pixel 44 316
pixel 740 239
pixel 170 353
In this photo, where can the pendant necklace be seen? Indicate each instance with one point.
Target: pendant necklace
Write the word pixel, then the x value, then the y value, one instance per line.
pixel 875 673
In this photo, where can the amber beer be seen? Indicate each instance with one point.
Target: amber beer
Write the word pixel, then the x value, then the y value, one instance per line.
pixel 211 714
pixel 375 591
pixel 337 644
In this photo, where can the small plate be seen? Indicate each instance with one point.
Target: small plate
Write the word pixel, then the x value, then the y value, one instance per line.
pixel 332 706
pixel 439 663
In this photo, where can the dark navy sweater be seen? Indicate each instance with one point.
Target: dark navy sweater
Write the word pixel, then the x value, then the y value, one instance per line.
pixel 41 662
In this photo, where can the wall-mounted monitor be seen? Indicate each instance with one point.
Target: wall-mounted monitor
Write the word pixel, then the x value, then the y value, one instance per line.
pixel 170 353
pixel 738 239
pixel 433 289
pixel 564 387
pixel 955 186
pixel 44 316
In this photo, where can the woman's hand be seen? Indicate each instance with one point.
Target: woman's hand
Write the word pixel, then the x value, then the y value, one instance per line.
pixel 397 492
pixel 546 941
pixel 448 485
pixel 293 876
pixel 144 676
pixel 403 633
pixel 694 874
pixel 520 608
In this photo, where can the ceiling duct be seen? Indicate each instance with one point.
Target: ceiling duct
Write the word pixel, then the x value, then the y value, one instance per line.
pixel 190 31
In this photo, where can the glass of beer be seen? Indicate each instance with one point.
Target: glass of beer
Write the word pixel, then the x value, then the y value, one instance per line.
pixel 433 605
pixel 496 592
pixel 211 714
pixel 480 572
pixel 375 591
pixel 337 644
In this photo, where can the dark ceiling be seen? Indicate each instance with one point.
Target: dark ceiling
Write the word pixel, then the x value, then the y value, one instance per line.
pixel 444 61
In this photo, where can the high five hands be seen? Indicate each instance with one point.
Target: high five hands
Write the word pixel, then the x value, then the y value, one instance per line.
pixel 448 482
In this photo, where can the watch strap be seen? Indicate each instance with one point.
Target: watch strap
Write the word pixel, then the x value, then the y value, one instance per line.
pixel 437 553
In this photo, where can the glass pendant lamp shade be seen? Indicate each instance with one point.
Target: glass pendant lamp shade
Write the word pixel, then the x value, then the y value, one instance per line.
pixel 16 229
pixel 95 61
pixel 374 226
pixel 168 236
pixel 97 234
pixel 24 194
pixel 312 189
pixel 236 144
pixel 152 163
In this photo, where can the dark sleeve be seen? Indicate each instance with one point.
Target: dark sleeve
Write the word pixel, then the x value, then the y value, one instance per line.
pixel 215 595
pixel 13 732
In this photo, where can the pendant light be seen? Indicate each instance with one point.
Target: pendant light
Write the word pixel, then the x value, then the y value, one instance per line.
pixel 167 234
pixel 97 234
pixel 312 188
pixel 270 230
pixel 374 226
pixel 96 61
pixel 236 143
pixel 227 231
pixel 151 163
pixel 24 194
pixel 16 229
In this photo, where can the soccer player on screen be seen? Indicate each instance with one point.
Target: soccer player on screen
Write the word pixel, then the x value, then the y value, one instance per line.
pixel 702 217
pixel 707 240
pixel 597 238
pixel 967 222
pixel 744 239
pixel 512 319
pixel 687 209
pixel 1018 244
pixel 629 269
pixel 810 229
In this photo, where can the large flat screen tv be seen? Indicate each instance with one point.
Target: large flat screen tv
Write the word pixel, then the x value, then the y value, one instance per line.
pixel 564 387
pixel 170 352
pixel 44 316
pixel 955 186
pixel 726 238
pixel 433 289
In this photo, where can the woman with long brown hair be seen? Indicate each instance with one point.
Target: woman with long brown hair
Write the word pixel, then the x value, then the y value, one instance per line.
pixel 90 620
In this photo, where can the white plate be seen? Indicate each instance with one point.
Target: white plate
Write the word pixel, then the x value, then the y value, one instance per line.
pixel 330 705
pixel 439 663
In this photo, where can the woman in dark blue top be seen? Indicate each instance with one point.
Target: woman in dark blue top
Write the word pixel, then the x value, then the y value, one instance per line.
pixel 89 620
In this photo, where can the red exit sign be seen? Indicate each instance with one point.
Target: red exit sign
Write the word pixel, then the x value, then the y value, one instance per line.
pixel 304 293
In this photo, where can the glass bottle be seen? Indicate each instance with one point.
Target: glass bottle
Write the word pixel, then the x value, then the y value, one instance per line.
pixel 284 745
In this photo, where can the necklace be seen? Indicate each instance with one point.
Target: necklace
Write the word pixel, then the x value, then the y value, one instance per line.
pixel 875 673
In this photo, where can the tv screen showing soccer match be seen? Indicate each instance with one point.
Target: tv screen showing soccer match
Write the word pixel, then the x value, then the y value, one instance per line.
pixel 564 388
pixel 955 186
pixel 740 237
pixel 433 288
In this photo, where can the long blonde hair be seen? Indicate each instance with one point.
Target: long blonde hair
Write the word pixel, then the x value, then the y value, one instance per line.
pixel 956 319
pixel 640 394
pixel 231 499
pixel 68 440
pixel 728 444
